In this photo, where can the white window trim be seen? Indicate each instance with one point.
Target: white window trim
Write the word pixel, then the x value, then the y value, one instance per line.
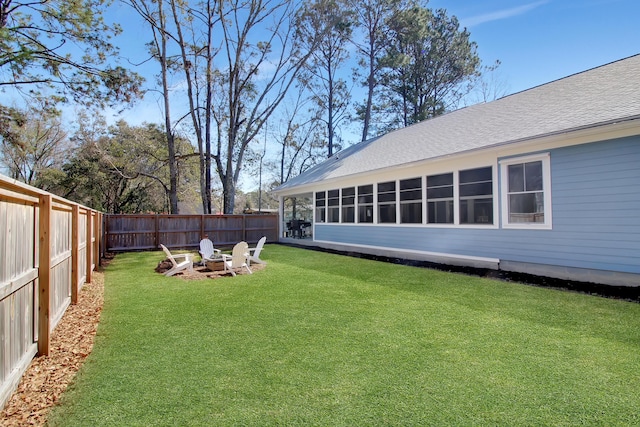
pixel 545 158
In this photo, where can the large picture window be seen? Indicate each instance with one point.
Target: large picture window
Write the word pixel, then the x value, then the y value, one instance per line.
pixel 411 201
pixel 349 204
pixel 365 203
pixel 387 202
pixel 440 199
pixel 476 196
pixel 333 206
pixel 526 196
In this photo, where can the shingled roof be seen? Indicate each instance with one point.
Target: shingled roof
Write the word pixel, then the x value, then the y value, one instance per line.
pixel 599 96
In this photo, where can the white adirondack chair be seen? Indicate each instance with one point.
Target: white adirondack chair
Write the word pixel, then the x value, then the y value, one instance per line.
pixel 238 258
pixel 254 253
pixel 207 251
pixel 187 264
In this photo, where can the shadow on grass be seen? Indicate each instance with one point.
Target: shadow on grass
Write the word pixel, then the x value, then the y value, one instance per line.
pixel 626 293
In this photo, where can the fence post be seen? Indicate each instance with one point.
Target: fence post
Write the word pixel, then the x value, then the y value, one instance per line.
pixel 280 218
pixel 90 247
pixel 44 281
pixel 75 253
pixel 156 237
pixel 97 239
pixel 244 228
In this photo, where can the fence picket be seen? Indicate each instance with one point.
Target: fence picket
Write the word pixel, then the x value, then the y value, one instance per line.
pixel 43 259
pixel 146 232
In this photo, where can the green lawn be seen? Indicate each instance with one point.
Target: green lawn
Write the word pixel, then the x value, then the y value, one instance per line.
pixel 319 339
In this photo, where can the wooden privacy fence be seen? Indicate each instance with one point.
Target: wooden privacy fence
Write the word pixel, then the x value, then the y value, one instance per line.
pixel 48 248
pixel 147 232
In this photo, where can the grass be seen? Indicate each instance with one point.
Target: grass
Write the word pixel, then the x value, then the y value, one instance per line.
pixel 319 339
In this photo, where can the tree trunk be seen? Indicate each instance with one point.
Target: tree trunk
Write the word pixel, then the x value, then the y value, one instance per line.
pixel 229 189
pixel 371 83
pixel 330 118
pixel 206 196
pixel 171 148
pixel 193 107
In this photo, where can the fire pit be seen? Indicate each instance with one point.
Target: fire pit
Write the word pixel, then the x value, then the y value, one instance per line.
pixel 215 264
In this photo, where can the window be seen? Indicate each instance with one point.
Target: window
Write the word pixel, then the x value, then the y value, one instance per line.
pixel 348 204
pixel 333 206
pixel 365 203
pixel 387 202
pixel 526 198
pixel 526 195
pixel 411 201
pixel 440 199
pixel 476 196
pixel 321 206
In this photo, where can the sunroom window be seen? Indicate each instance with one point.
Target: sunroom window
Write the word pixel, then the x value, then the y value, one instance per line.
pixel 365 203
pixel 387 202
pixel 440 198
pixel 333 206
pixel 476 196
pixel 321 206
pixel 526 198
pixel 411 201
pixel 348 204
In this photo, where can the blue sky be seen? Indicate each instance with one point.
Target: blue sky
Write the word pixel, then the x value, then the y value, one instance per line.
pixel 539 41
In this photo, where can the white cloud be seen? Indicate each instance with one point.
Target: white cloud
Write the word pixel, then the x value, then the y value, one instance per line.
pixel 502 14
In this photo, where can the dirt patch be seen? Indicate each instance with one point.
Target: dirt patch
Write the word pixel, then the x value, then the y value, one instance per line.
pixel 200 272
pixel 48 376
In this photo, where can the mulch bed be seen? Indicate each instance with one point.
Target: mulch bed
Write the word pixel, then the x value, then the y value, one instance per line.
pixel 47 377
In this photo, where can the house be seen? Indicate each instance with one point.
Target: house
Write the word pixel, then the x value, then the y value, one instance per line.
pixel 545 181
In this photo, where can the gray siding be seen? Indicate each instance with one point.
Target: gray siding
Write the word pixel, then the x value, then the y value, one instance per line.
pixel 596 218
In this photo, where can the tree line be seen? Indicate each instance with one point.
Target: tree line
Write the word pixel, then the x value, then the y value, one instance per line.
pixel 298 74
